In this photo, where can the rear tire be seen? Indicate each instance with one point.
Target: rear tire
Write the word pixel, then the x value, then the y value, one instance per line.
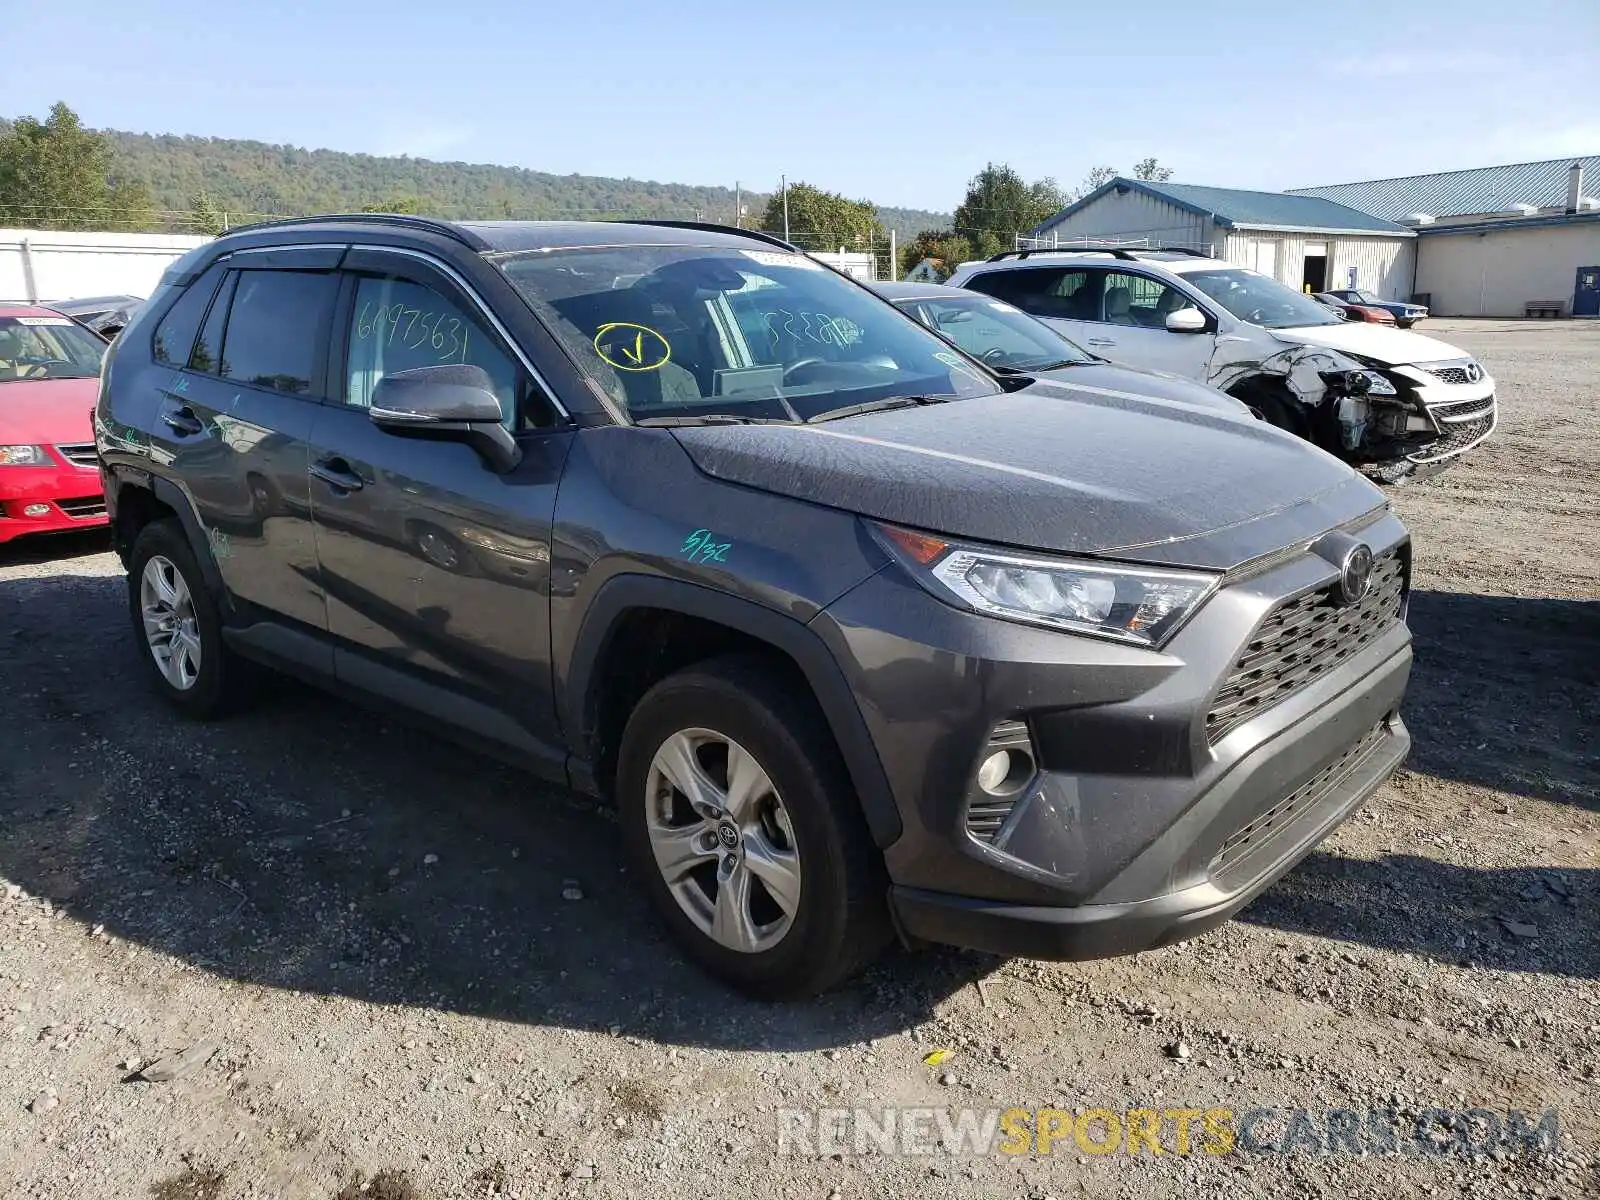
pixel 783 894
pixel 178 629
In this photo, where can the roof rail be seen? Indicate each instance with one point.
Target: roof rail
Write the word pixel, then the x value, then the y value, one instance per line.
pixel 1130 254
pixel 429 224
pixel 760 235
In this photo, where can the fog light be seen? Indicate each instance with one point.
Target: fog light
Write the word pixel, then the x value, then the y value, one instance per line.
pixel 36 510
pixel 992 774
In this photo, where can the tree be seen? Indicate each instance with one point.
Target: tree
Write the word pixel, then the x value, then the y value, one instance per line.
pixel 204 215
pixel 999 205
pixel 53 173
pixel 1095 177
pixel 1149 169
pixel 824 221
pixel 410 205
pixel 945 249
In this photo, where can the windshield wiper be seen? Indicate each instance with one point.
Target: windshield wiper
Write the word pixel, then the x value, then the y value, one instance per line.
pixel 892 402
pixel 710 419
pixel 1045 366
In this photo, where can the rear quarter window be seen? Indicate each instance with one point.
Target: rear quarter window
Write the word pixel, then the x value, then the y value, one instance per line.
pixel 175 332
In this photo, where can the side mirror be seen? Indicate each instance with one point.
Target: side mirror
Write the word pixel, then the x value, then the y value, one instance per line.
pixel 448 402
pixel 1186 320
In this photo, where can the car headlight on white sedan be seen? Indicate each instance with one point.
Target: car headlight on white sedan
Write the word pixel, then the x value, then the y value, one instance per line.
pixel 1377 385
pixel 23 456
pixel 1141 605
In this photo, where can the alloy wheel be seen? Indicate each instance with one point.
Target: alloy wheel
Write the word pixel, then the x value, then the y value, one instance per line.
pixel 170 628
pixel 722 840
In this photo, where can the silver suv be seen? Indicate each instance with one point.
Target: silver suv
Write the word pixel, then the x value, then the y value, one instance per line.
pixel 1395 403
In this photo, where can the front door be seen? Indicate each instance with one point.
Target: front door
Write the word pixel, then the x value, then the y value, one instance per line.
pixel 235 415
pixel 1128 325
pixel 1586 295
pixel 436 569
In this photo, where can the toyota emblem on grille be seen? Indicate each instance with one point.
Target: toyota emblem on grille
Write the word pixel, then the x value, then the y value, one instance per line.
pixel 1355 575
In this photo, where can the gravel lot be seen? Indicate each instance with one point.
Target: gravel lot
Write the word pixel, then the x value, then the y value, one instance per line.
pixel 425 973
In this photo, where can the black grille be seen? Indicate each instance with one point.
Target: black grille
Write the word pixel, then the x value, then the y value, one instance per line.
pixel 1276 818
pixel 84 506
pixel 80 454
pixel 1465 425
pixel 1449 374
pixel 1302 640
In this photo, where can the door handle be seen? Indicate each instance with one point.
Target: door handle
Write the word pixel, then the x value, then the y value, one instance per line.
pixel 1102 341
pixel 337 474
pixel 182 420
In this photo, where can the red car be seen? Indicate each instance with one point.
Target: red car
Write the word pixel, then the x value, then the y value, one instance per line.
pixel 49 379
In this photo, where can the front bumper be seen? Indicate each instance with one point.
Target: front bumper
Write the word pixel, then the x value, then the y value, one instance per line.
pixel 71 497
pixel 1288 831
pixel 1140 827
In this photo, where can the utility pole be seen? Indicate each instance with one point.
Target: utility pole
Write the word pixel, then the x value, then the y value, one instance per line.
pixel 783 182
pixel 738 206
pixel 894 263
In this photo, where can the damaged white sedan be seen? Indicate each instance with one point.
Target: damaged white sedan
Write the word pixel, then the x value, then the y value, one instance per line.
pixel 1395 403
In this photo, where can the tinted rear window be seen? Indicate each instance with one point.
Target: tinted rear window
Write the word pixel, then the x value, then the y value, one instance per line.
pixel 275 326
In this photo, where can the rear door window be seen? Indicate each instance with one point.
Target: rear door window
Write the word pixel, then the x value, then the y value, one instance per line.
pixel 275 327
pixel 1061 292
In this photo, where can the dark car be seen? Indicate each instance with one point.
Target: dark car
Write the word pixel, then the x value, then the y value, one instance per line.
pixel 106 315
pixel 1405 315
pixel 1010 342
pixel 862 639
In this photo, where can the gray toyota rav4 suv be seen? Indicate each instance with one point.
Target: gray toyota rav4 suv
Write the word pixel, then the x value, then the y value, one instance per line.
pixel 863 640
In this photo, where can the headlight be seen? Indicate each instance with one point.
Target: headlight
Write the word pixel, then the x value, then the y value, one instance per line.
pixel 1142 605
pixel 23 456
pixel 1378 385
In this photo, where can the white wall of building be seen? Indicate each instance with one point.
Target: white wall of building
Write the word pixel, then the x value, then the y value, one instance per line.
pixel 857 265
pixel 1132 215
pixel 42 265
pixel 1382 265
pixel 1496 272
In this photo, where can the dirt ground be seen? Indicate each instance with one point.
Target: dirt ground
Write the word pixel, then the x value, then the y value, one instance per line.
pixel 426 975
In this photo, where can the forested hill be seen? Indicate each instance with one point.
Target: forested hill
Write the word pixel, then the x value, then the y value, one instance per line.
pixel 255 179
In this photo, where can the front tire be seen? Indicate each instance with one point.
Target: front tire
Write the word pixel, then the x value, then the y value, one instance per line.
pixel 737 808
pixel 178 629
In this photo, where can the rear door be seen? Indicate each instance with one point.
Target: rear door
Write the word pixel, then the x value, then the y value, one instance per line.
pixel 1065 298
pixel 235 415
pixel 1127 324
pixel 436 568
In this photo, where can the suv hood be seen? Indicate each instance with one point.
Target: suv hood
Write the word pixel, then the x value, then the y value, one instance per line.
pixel 1059 469
pixel 1394 347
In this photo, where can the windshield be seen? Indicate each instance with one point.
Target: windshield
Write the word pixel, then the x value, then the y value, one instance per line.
pixel 1260 300
pixel 995 333
pixel 1365 298
pixel 697 331
pixel 47 348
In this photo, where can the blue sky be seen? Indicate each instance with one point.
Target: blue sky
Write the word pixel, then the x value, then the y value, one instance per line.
pixel 895 102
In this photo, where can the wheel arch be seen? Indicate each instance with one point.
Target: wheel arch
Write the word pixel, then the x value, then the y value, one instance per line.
pixel 139 498
pixel 607 662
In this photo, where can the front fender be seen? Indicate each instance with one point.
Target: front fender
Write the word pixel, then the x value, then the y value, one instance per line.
pixel 620 594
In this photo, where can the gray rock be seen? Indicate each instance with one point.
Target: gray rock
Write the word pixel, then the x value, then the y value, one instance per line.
pixel 179 1066
pixel 43 1102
